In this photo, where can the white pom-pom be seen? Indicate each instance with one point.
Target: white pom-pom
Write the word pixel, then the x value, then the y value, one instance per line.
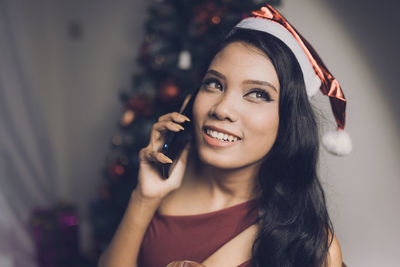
pixel 313 85
pixel 337 142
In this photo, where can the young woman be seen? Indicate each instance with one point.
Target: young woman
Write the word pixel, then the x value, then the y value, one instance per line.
pixel 245 192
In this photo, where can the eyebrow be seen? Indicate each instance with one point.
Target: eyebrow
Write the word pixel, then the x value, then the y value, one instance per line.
pixel 264 83
pixel 257 82
pixel 216 73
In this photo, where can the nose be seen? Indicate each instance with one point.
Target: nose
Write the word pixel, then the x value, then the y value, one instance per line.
pixel 225 109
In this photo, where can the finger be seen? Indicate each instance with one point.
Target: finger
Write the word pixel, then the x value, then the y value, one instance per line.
pixel 174 116
pixel 167 125
pixel 159 131
pixel 185 102
pixel 153 156
pixel 159 157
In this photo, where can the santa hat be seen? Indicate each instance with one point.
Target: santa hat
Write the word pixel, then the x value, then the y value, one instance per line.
pixel 316 75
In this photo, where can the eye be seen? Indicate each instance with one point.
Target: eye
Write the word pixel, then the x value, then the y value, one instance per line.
pixel 259 94
pixel 212 84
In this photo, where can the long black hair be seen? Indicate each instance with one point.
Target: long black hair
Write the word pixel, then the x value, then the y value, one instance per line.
pixel 295 229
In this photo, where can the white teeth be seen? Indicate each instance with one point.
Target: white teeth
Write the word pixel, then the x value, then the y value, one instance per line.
pixel 221 136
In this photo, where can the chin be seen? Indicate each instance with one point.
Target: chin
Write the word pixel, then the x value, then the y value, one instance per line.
pixel 217 162
pixel 229 161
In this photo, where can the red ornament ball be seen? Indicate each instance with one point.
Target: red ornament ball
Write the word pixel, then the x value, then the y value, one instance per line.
pixel 141 105
pixel 169 91
pixel 119 169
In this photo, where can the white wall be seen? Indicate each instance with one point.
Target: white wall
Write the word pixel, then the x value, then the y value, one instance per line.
pixel 80 81
pixel 364 188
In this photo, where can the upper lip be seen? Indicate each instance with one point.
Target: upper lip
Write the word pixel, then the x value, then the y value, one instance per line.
pixel 211 127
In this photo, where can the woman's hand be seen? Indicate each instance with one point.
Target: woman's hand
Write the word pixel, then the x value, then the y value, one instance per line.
pixel 151 184
pixel 148 194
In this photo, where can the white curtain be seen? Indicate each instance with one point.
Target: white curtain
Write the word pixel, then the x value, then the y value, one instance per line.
pixel 27 172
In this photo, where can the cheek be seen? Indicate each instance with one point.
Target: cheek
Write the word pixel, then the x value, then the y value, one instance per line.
pixel 262 128
pixel 201 106
pixel 200 111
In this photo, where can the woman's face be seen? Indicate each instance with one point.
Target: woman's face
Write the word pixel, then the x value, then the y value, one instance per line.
pixel 236 112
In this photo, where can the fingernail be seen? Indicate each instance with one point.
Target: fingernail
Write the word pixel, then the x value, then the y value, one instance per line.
pixel 186 118
pixel 180 127
pixel 168 160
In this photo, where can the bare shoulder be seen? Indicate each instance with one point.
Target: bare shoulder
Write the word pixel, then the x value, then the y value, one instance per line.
pixel 181 201
pixel 334 258
pixel 172 204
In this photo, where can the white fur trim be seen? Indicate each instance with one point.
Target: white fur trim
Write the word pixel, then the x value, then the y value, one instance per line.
pixel 337 142
pixel 313 83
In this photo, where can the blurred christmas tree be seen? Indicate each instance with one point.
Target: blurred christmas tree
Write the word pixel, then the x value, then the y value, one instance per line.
pixel 178 35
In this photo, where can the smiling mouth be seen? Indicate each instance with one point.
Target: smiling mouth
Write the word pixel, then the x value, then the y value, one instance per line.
pixel 221 136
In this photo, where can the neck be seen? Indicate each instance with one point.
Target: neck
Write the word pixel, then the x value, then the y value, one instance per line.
pixel 231 184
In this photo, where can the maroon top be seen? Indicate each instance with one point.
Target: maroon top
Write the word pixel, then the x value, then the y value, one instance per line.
pixel 194 237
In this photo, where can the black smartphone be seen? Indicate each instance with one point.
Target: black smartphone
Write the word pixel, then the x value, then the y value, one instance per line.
pixel 176 141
